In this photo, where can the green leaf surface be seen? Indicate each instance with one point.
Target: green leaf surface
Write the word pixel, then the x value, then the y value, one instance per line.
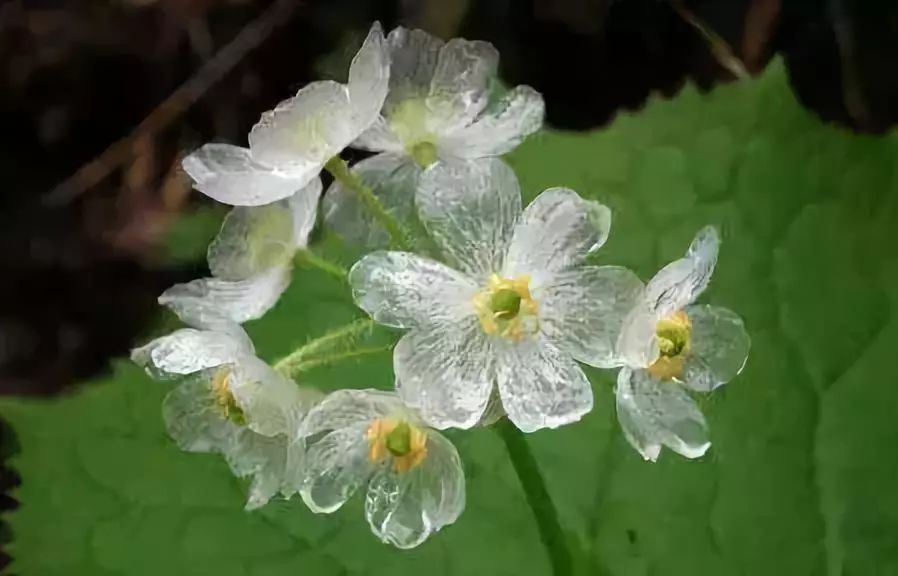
pixel 800 475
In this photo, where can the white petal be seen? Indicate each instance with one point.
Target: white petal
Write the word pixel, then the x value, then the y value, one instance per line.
pixel 446 372
pixel 541 386
pixel 194 420
pixel 369 78
pixel 251 241
pixel 346 408
pixel 261 457
pixel 304 207
pixel 720 347
pixel 556 232
pixel 393 178
pixel 413 59
pixel 306 130
pixel 499 130
pixel 404 509
pixel 653 413
pixel 187 351
pixel 679 283
pixel 271 403
pixel 379 137
pixel 459 89
pixel 207 298
pixel 230 175
pixel 404 290
pixel 470 209
pixel 583 311
pixel 637 345
pixel 336 465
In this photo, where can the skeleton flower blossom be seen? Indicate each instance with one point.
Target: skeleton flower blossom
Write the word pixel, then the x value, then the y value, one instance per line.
pixel 413 478
pixel 232 403
pixel 669 346
pixel 289 146
pixel 438 108
pixel 516 309
pixel 250 259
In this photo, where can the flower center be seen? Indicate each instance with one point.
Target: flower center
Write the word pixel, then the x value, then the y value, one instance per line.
pixel 506 307
pixel 404 443
pixel 224 398
pixel 409 121
pixel 674 335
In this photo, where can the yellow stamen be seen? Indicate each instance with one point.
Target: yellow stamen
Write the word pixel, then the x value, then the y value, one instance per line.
pixel 405 443
pixel 674 335
pixel 224 398
pixel 507 308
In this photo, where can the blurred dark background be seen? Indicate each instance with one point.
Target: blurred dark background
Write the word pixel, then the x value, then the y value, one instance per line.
pixel 100 98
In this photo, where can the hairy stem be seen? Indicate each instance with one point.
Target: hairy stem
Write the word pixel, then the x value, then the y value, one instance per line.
pixel 537 495
pixel 305 257
pixel 337 341
pixel 339 169
pixel 335 357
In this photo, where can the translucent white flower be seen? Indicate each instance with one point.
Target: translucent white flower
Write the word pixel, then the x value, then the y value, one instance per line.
pixel 669 346
pixel 439 107
pixel 514 311
pixel 234 404
pixel 289 146
pixel 251 260
pixel 413 476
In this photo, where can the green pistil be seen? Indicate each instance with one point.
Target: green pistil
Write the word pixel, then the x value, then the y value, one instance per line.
pixel 506 304
pixel 424 153
pixel 399 440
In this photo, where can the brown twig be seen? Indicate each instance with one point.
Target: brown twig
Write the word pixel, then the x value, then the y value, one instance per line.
pixel 719 47
pixel 247 40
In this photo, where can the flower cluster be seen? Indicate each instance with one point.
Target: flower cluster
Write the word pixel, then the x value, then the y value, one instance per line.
pixel 498 304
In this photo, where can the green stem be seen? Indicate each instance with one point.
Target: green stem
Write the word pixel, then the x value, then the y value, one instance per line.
pixel 537 495
pixel 305 257
pixel 339 339
pixel 335 357
pixel 339 169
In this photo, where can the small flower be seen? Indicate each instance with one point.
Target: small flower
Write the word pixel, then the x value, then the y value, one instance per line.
pixel 438 108
pixel 517 309
pixel 251 260
pixel 234 404
pixel 289 146
pixel 415 482
pixel 668 346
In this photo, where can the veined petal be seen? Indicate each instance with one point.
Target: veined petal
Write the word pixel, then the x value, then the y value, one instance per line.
pixel 556 232
pixel 187 350
pixel 207 298
pixel 405 290
pixel 720 348
pixel 306 130
pixel 393 178
pixel 459 89
pixel 470 209
pixel 379 137
pixel 518 114
pixel 251 241
pixel 446 372
pixel 637 346
pixel 304 208
pixel 682 281
pixel 261 457
pixel 541 386
pixel 404 509
pixel 336 465
pixel 413 59
pixel 230 175
pixel 194 420
pixel 654 413
pixel 583 311
pixel 347 408
pixel 369 78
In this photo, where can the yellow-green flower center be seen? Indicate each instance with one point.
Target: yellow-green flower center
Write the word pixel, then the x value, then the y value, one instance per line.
pixel 404 443
pixel 224 398
pixel 506 307
pixel 674 335
pixel 409 122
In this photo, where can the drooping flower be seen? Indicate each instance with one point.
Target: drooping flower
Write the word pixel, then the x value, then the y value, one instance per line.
pixel 234 404
pixel 413 478
pixel 515 311
pixel 439 107
pixel 289 146
pixel 251 260
pixel 669 346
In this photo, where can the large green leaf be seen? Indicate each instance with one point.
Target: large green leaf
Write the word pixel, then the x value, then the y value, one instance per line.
pixel 798 480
